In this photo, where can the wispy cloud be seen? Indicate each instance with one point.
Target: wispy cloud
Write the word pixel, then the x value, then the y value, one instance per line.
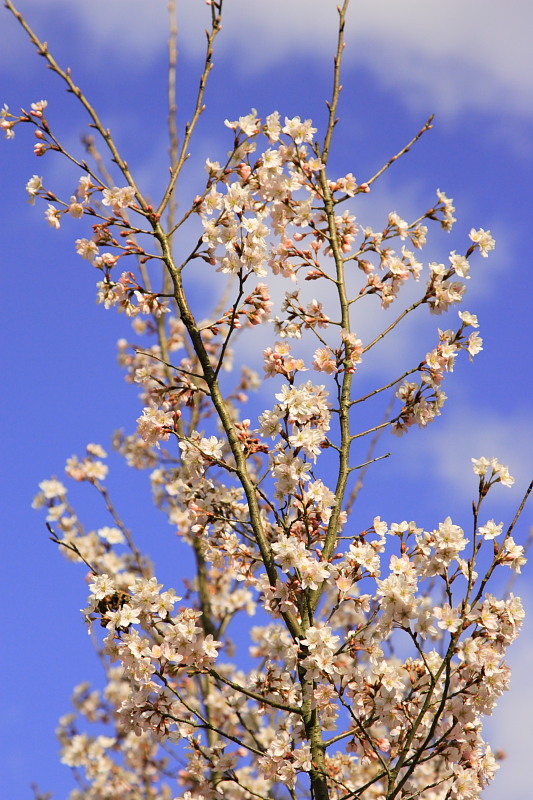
pixel 467 432
pixel 458 55
pixel 462 55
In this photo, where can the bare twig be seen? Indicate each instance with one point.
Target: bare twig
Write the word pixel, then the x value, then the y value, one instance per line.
pixel 402 152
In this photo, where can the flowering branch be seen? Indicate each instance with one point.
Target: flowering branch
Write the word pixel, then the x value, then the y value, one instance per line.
pixel 265 501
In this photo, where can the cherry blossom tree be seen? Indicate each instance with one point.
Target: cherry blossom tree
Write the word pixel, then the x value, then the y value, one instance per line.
pixel 311 655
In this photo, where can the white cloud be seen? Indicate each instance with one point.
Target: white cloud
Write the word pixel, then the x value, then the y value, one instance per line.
pixel 460 54
pixel 471 432
pixel 455 56
pixel 469 54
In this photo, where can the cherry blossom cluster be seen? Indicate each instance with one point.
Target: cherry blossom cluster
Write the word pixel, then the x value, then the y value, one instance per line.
pixel 423 401
pixel 453 675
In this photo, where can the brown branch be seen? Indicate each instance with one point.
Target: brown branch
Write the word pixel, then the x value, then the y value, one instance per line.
pixel 337 88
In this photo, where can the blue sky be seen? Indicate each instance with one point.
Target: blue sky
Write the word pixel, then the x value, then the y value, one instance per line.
pixel 469 63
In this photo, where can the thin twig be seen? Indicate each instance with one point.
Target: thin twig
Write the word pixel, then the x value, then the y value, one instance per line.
pixel 403 151
pixel 395 323
pixel 361 478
